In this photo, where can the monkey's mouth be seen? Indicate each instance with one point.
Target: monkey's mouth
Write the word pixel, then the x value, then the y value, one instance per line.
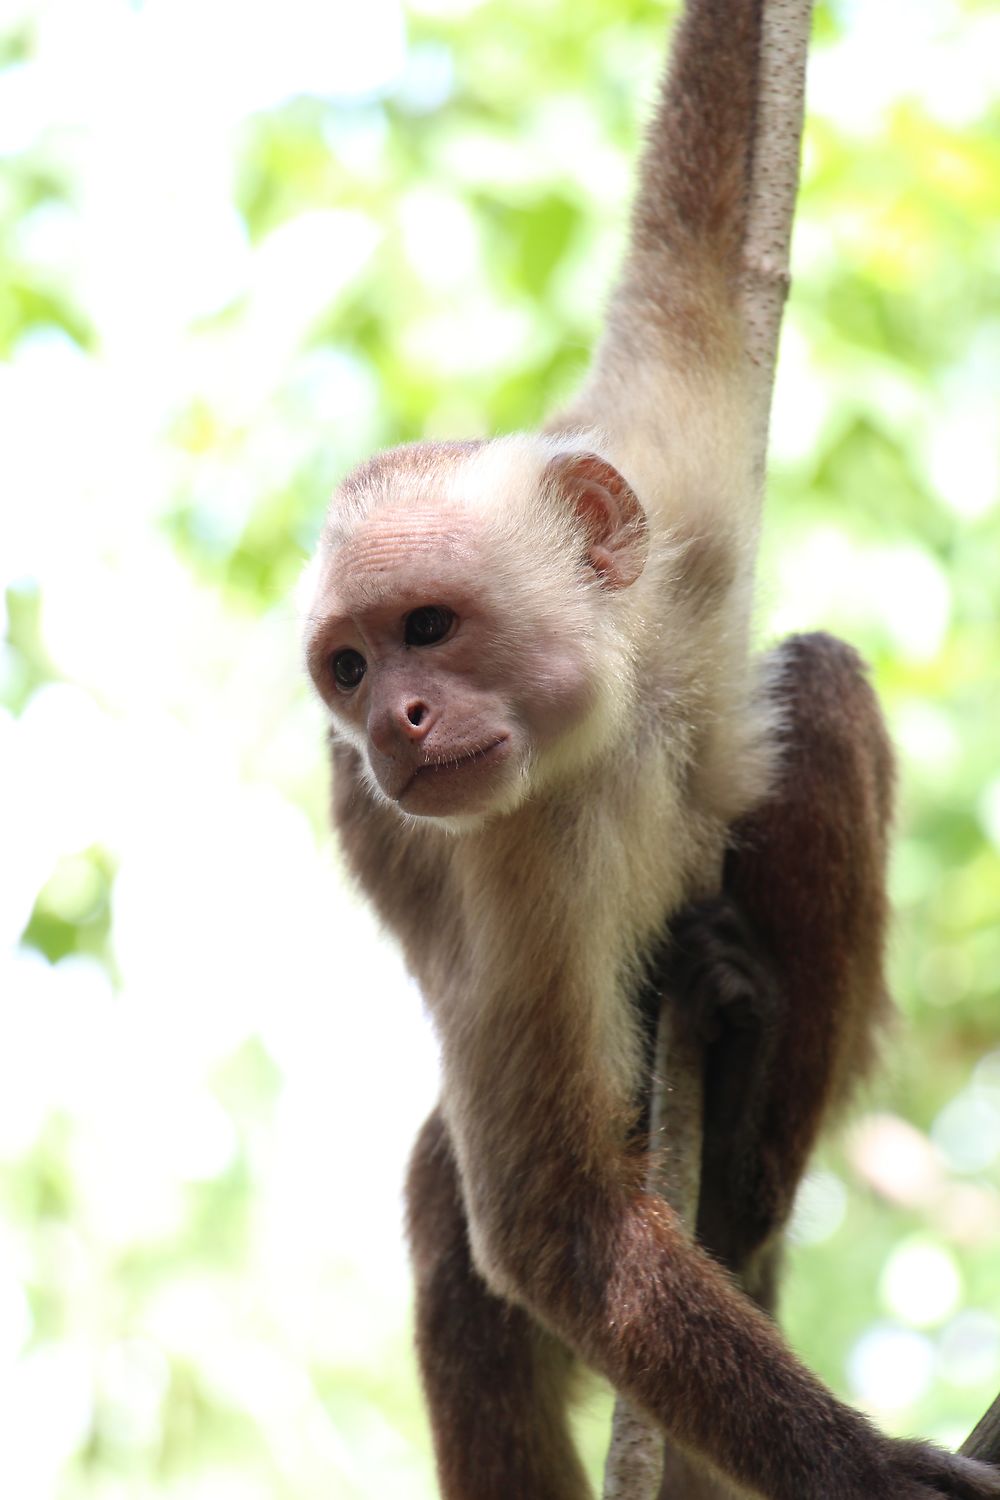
pixel 459 762
pixel 443 768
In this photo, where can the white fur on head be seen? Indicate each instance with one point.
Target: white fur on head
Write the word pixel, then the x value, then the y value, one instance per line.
pixel 560 534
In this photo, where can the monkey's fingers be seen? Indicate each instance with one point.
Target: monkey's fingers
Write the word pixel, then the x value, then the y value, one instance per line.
pixel 936 1472
pixel 716 969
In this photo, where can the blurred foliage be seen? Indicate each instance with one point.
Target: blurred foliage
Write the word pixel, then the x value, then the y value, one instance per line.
pixel 214 302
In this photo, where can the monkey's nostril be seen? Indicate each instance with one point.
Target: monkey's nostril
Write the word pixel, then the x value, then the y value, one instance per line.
pixel 416 713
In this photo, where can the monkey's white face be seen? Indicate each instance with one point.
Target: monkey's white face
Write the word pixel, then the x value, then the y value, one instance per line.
pixel 451 689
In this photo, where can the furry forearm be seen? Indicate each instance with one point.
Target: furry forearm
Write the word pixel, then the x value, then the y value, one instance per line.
pixel 694 180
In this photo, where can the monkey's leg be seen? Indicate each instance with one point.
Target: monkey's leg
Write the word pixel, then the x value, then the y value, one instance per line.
pixel 495 1381
pixel 728 989
pixel 808 873
pixel 782 973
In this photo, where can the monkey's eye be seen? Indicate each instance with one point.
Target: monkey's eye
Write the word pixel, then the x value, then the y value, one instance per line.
pixel 348 669
pixel 428 624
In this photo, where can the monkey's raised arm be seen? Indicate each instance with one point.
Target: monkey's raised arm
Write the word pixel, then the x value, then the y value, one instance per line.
pixel 678 298
pixel 672 386
pixel 690 215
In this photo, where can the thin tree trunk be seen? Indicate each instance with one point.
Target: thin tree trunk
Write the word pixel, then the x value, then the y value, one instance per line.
pixel 774 183
pixel 634 1468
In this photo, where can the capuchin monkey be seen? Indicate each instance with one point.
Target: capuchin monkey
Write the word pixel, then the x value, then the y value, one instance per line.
pixel 546 723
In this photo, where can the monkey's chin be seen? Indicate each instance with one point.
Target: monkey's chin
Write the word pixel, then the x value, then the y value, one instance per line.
pixel 470 786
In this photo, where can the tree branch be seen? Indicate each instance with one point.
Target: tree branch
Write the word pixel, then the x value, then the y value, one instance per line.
pixel 634 1465
pixel 774 181
pixel 983 1441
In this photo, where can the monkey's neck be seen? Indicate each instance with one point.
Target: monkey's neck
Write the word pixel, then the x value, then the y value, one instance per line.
pixel 559 903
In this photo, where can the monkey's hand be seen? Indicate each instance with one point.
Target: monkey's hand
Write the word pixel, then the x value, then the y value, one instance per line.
pixel 920 1471
pixel 719 973
pixel 719 976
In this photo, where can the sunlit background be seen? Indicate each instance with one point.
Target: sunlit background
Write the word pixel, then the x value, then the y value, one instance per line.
pixel 242 245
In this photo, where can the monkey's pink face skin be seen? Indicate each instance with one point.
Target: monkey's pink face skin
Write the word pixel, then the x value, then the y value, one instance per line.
pixel 446 686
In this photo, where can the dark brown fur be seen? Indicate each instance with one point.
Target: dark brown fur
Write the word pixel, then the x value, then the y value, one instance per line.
pixel 821 912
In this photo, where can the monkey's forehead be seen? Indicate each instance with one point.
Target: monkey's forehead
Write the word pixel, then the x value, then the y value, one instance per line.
pixel 398 549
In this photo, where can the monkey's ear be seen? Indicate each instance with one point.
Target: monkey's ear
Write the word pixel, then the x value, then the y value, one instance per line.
pixel 615 522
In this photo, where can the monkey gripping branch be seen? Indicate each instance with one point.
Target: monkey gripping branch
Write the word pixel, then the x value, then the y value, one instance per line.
pixel 568 788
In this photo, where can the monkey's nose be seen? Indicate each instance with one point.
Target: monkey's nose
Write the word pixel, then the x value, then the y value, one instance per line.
pixel 404 722
pixel 416 719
